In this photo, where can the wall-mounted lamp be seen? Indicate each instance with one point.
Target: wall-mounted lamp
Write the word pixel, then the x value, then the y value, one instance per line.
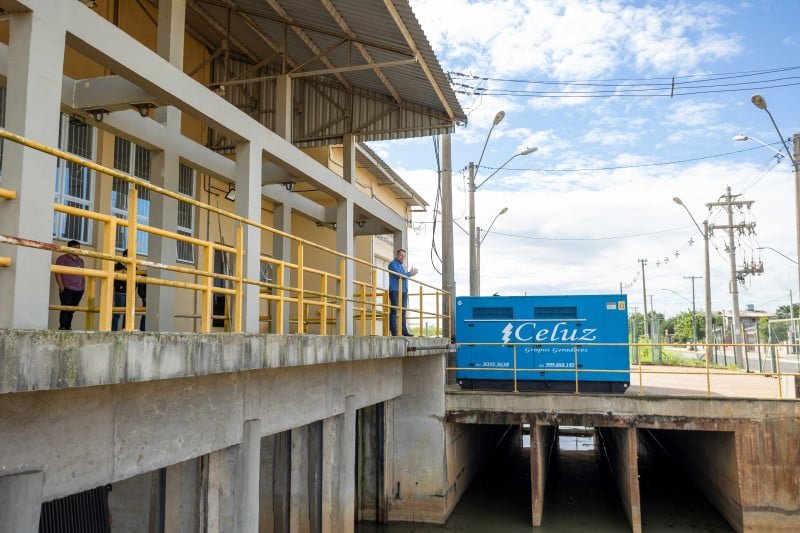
pixel 231 194
pixel 361 223
pixel 289 185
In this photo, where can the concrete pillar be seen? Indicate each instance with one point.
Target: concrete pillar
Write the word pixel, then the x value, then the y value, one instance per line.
pixel 345 243
pixel 347 473
pixel 542 440
pixel 621 445
pixel 248 205
pixel 165 171
pixel 282 249
pixel 171 28
pixel 306 479
pixel 349 157
pixel 160 309
pixel 181 501
pixel 332 429
pixel 35 66
pixel 20 502
pixel 220 487
pixel 250 467
pixel 284 107
pixel 281 481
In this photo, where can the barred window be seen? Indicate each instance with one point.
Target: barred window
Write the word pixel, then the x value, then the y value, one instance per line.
pixel 186 179
pixel 134 160
pixel 73 181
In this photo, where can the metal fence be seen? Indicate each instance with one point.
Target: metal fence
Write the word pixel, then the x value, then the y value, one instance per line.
pixel 300 296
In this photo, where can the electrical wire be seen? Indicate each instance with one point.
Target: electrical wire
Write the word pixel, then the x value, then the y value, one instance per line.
pixel 623 167
pixel 608 238
pixel 631 87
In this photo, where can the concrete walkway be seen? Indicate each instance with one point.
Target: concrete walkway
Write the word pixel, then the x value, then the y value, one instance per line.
pixel 692 381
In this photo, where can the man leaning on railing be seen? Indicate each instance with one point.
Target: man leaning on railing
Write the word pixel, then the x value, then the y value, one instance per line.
pixel 394 281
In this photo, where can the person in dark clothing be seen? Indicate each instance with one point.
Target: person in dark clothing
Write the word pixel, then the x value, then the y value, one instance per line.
pixel 70 286
pixel 120 289
pixel 394 290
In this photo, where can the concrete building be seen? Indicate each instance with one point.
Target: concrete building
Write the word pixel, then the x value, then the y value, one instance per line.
pixel 221 144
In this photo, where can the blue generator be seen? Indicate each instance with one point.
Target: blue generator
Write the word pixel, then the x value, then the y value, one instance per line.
pixel 551 335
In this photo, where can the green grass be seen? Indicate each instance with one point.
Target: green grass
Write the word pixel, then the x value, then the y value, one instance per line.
pixel 675 358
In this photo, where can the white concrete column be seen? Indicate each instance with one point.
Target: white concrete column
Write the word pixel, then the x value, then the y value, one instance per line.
pixel 20 502
pixel 345 243
pixel 171 28
pixel 248 205
pixel 400 240
pixel 35 64
pixel 284 107
pixel 160 310
pixel 282 249
pixel 347 473
pixel 165 168
pixel 349 157
pixel 249 472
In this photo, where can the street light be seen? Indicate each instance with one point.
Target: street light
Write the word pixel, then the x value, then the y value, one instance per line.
pixel 777 252
pixel 480 242
pixel 761 103
pixel 474 282
pixel 706 278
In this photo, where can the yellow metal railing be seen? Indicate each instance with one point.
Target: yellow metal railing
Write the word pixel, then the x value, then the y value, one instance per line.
pixel 638 370
pixel 301 294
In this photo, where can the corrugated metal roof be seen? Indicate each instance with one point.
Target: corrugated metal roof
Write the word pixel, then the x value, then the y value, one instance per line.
pixel 367 158
pixel 330 105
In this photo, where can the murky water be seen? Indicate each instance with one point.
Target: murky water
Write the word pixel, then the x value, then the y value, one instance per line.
pixel 580 496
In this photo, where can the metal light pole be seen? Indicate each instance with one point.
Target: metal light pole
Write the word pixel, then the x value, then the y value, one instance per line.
pixel 761 103
pixel 706 278
pixel 474 282
pixel 480 242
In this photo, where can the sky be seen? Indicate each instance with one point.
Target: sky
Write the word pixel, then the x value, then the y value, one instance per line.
pixel 574 231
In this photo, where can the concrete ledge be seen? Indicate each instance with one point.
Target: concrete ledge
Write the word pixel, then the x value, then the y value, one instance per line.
pixel 612 410
pixel 32 360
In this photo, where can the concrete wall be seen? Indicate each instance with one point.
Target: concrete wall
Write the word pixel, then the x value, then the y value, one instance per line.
pixel 620 446
pixel 430 463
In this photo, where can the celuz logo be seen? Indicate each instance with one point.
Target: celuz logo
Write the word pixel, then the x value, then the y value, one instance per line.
pixel 558 332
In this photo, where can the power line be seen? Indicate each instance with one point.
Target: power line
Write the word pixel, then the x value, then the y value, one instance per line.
pixel 622 167
pixel 608 238
pixel 667 79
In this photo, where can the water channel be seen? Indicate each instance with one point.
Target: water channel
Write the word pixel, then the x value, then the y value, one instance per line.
pixel 580 496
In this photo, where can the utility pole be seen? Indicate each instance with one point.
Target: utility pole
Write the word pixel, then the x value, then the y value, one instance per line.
pixel 478 262
pixel 474 290
pixel 644 292
pixel 620 288
pixel 792 331
pixel 694 310
pixel 448 268
pixel 729 201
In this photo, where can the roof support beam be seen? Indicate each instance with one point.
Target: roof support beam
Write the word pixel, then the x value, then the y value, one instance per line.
pixel 306 39
pixel 413 45
pixel 361 49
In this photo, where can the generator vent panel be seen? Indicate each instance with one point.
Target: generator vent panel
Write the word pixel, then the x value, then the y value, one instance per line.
pixel 502 313
pixel 555 312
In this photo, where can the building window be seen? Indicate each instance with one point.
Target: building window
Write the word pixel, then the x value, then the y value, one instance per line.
pixel 186 181
pixel 134 160
pixel 73 181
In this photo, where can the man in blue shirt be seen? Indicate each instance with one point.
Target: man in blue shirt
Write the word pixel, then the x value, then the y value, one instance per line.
pixel 394 281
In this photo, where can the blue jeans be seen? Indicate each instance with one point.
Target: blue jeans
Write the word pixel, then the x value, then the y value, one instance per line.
pixel 393 313
pixel 119 301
